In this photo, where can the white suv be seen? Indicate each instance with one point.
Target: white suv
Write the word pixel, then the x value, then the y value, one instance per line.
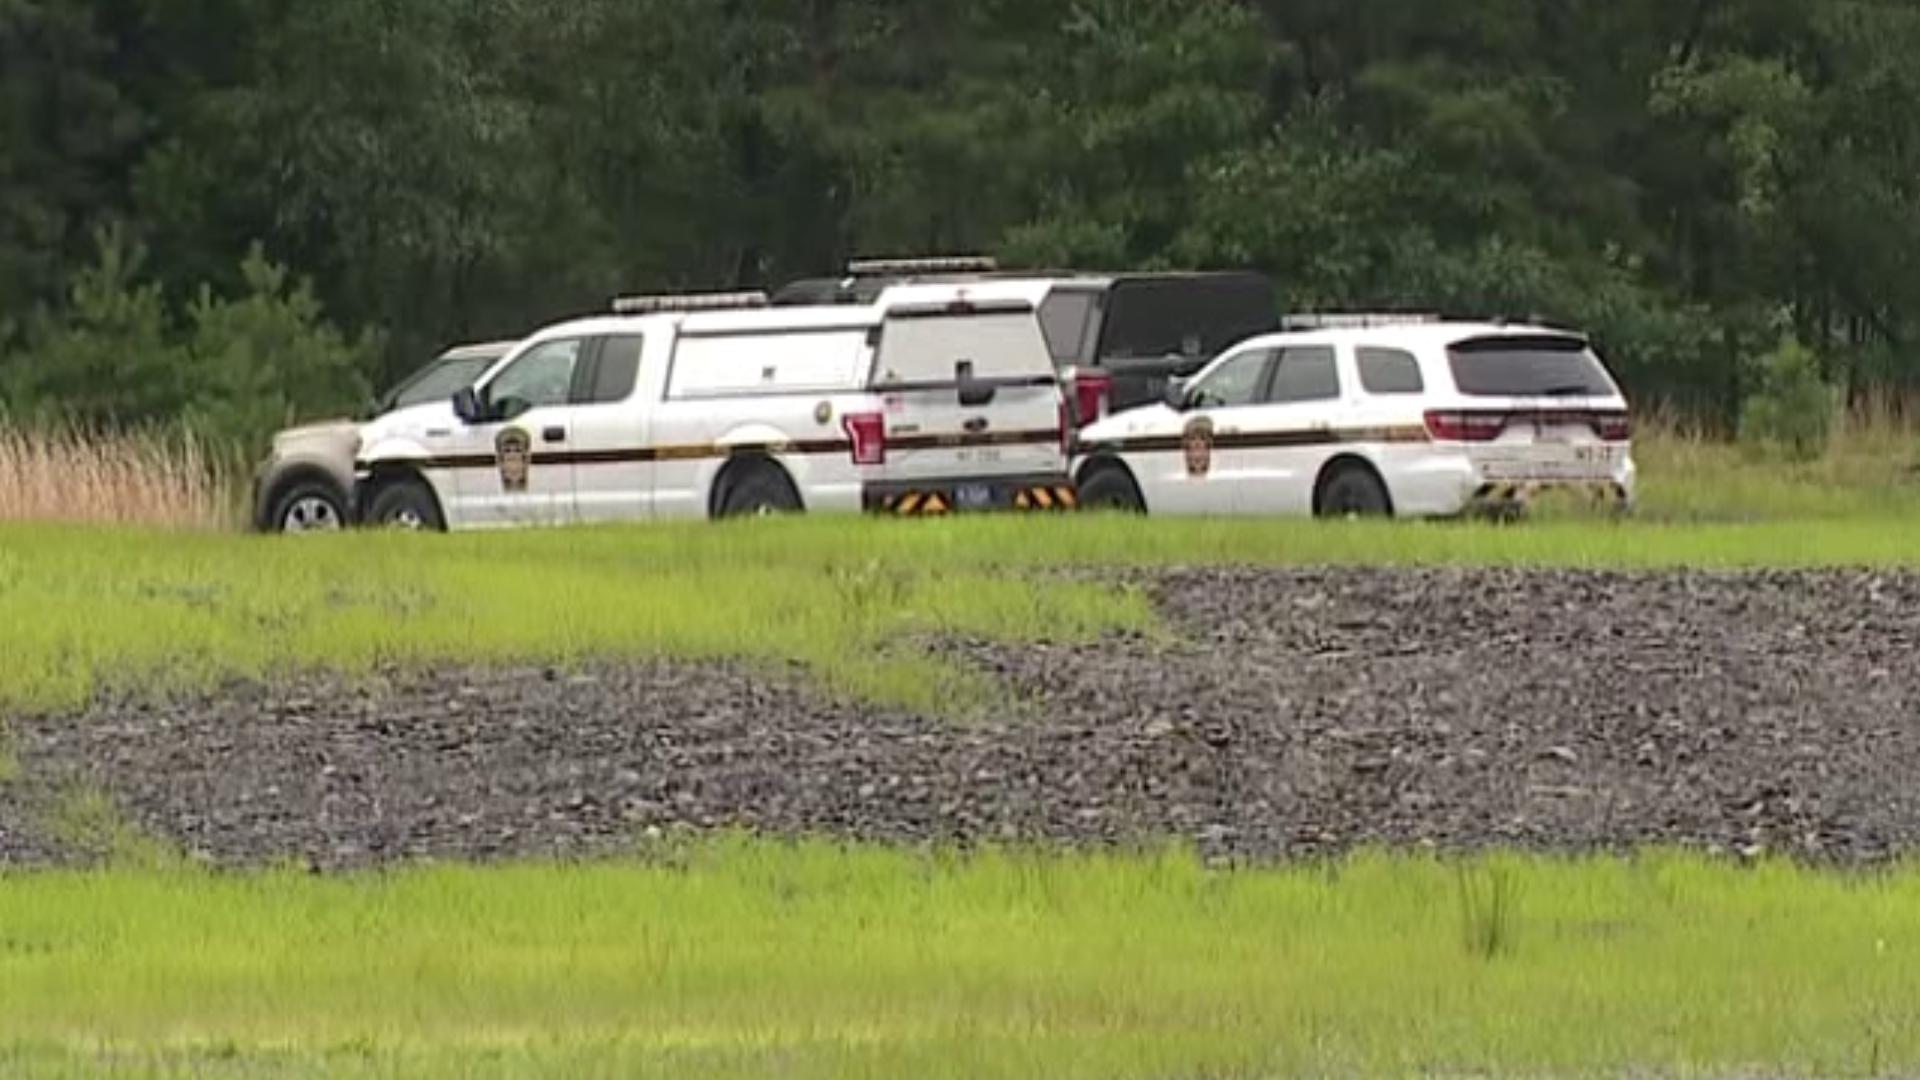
pixel 1419 418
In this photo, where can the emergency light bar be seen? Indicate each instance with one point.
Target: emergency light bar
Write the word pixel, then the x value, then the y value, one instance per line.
pixel 1354 320
pixel 655 305
pixel 958 264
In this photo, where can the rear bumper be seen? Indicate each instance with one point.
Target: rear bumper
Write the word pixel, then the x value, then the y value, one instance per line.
pixel 1508 498
pixel 968 495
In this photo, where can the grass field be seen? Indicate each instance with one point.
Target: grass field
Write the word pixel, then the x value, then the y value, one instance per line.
pixel 88 608
pixel 748 959
pixel 751 959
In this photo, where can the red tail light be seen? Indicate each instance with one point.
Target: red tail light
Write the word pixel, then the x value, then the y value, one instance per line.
pixel 868 433
pixel 1613 427
pixel 1092 391
pixel 1465 426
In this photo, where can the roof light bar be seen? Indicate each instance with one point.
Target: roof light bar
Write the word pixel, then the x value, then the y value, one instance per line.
pixel 955 264
pixel 655 305
pixel 1355 320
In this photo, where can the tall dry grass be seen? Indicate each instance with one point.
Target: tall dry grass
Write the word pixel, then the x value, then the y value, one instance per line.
pixel 69 474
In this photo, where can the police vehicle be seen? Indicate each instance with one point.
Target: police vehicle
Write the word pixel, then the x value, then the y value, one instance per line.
pixel 1116 338
pixel 927 401
pixel 305 484
pixel 1372 416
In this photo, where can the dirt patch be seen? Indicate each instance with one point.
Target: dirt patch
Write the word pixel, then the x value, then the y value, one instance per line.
pixel 1299 713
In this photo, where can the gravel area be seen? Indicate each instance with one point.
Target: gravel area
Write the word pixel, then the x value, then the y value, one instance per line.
pixel 1293 713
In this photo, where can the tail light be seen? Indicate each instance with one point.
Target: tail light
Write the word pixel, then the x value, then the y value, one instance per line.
pixel 1465 426
pixel 1092 392
pixel 1613 427
pixel 868 433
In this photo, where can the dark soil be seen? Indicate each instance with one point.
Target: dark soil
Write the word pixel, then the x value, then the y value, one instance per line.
pixel 1295 713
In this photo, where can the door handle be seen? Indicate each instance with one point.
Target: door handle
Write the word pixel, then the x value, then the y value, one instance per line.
pixel 554 435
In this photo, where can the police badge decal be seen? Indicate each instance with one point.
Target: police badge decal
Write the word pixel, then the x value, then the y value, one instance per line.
pixel 1197 444
pixel 514 451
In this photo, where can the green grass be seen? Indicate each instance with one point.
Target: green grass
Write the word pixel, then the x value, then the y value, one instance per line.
pixel 1871 472
pixel 852 599
pixel 811 961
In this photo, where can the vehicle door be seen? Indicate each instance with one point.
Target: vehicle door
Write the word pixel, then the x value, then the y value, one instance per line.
pixel 971 396
pixel 1199 471
pixel 515 465
pixel 611 436
pixel 1292 433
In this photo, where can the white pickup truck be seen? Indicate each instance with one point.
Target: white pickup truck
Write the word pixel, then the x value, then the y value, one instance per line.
pixel 923 402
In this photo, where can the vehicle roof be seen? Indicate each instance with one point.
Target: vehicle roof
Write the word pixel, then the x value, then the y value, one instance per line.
pixel 479 351
pixel 1413 336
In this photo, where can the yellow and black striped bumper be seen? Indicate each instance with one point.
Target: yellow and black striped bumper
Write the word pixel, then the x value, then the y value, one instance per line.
pixel 1516 495
pixel 943 499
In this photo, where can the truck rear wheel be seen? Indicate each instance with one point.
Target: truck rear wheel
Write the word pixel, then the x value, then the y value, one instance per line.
pixel 762 491
pixel 407 505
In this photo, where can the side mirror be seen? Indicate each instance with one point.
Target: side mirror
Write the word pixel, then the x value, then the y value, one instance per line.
pixel 466 406
pixel 1177 396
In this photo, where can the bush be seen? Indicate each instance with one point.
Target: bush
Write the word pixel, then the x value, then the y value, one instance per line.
pixel 231 370
pixel 1793 409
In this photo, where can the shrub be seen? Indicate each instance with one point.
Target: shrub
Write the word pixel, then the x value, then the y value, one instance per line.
pixel 1793 408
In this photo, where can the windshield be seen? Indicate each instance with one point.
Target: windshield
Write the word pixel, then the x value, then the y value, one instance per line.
pixel 438 381
pixel 1518 366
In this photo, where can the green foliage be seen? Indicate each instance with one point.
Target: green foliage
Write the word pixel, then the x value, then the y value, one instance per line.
pixel 231 370
pixel 1793 408
pixel 267 358
pixel 1669 175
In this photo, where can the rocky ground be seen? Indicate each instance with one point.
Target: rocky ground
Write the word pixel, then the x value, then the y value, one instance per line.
pixel 1291 713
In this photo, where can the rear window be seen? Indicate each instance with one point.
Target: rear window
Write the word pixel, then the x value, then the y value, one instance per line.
pixel 1519 366
pixel 619 369
pixel 1386 372
pixel 919 348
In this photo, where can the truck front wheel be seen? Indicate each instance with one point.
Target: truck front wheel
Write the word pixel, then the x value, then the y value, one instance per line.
pixel 406 504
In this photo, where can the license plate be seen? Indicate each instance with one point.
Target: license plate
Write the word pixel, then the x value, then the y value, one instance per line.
pixel 974 496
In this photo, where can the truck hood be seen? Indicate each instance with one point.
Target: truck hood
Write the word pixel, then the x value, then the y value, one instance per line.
pixel 413 423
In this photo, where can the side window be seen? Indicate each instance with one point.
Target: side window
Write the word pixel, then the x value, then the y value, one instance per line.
pixel 1390 371
pixel 542 377
pixel 617 372
pixel 1063 319
pixel 1306 374
pixel 1234 383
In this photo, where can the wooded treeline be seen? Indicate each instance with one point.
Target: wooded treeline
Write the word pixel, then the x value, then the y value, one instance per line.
pixel 1693 180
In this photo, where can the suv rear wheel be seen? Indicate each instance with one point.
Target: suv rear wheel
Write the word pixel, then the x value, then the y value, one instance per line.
pixel 1112 489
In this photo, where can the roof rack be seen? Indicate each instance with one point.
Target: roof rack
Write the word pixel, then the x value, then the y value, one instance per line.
pixel 946 264
pixel 1356 320
pixel 655 305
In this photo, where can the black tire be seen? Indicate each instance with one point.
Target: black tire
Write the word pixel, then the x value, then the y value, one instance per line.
pixel 309 506
pixel 1112 490
pixel 760 492
pixel 1354 491
pixel 405 504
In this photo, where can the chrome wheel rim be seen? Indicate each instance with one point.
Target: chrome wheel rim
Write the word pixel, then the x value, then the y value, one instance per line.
pixel 310 514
